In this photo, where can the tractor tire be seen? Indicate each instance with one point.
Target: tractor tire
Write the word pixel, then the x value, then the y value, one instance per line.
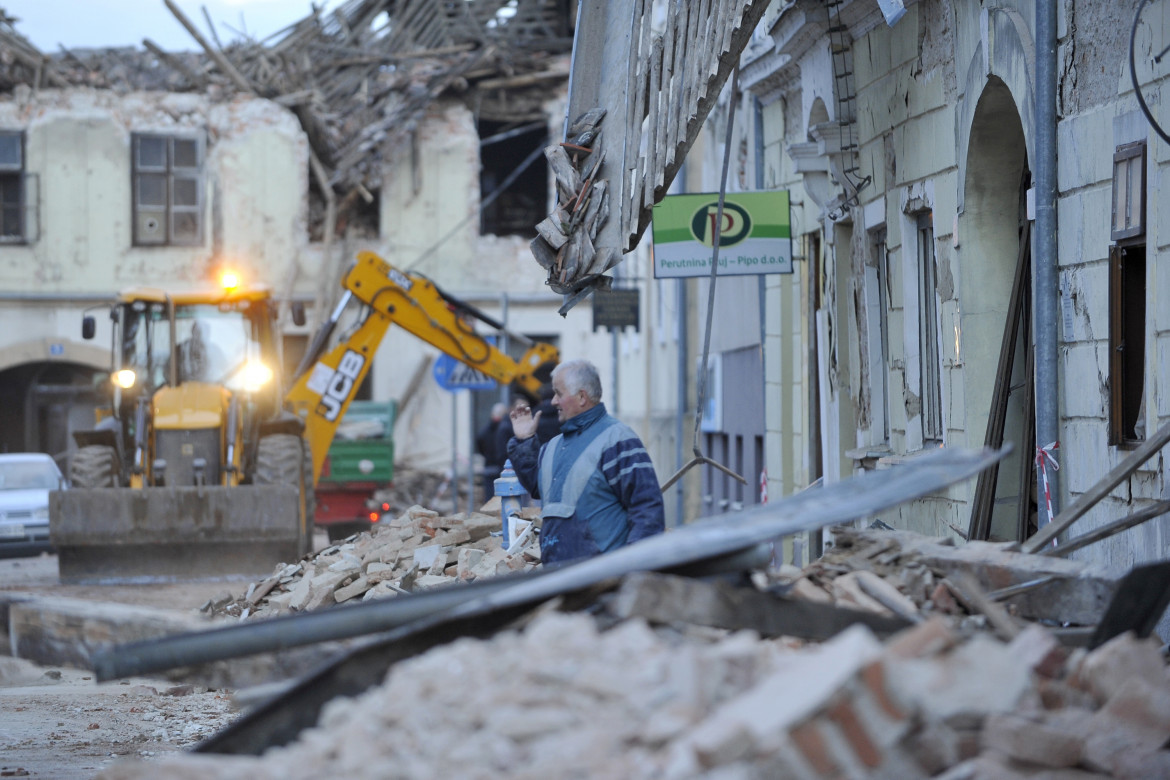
pixel 94 466
pixel 280 460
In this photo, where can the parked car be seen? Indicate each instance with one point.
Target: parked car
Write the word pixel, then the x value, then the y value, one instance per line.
pixel 25 481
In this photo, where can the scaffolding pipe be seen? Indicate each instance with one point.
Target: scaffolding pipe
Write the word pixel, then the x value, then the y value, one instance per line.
pixel 1047 279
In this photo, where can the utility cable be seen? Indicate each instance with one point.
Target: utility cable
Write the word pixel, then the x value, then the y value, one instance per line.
pixel 497 192
pixel 718 235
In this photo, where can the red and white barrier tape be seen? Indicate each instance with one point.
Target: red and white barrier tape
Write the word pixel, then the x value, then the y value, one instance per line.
pixel 1044 456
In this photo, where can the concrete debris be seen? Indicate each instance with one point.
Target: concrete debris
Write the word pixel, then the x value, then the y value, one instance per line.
pixel 658 677
pixel 418 550
pixel 563 695
pixel 420 487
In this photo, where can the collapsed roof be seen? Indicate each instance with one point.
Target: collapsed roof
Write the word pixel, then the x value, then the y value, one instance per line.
pixel 358 77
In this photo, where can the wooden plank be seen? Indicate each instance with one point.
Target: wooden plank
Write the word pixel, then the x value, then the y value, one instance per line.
pixel 1027 475
pixel 662 140
pixel 654 97
pixel 678 80
pixel 633 84
pixel 1109 529
pixel 736 8
pixel 971 596
pixel 979 527
pixel 1089 498
pixel 667 599
pixel 698 18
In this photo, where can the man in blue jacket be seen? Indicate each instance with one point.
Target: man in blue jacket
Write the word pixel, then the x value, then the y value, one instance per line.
pixel 595 481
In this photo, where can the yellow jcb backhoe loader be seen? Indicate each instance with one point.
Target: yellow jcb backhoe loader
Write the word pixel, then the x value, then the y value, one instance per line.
pixel 197 469
pixel 202 466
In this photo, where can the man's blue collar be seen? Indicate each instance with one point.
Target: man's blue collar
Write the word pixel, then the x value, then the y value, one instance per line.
pixel 584 419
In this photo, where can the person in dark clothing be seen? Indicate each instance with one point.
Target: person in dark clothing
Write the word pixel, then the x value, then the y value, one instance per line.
pixel 487 444
pixel 547 425
pixel 595 481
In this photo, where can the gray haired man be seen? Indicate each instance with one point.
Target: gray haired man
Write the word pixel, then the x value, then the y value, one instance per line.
pixel 597 486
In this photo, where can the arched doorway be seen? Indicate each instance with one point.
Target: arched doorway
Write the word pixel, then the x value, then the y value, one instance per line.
pixel 42 403
pixel 993 236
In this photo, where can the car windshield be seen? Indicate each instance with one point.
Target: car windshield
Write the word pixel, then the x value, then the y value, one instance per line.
pixel 28 476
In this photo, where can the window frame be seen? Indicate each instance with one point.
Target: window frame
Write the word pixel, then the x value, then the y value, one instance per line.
pixel 1126 304
pixel 172 175
pixel 929 346
pixel 1128 159
pixel 881 253
pixel 18 174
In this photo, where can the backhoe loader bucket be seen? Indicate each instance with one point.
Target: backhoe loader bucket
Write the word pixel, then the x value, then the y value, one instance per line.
pixel 161 534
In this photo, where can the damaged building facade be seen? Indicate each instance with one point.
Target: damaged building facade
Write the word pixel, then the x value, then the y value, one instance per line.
pixel 909 144
pixel 282 159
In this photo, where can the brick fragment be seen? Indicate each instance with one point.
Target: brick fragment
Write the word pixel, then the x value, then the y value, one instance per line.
pixel 1040 651
pixel 467 560
pixel 955 687
pixel 925 639
pixel 848 592
pixel 1105 670
pixel 1030 741
pixel 804 589
pixel 1135 722
pixel 811 743
pixel 480 526
pixel 453 537
pixel 934 747
pixel 355 588
pixel 379 572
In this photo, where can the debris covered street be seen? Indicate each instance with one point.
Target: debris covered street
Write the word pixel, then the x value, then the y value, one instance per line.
pixel 58 722
pixel 885 658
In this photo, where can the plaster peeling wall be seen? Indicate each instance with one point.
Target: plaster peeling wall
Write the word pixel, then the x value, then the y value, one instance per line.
pixel 78 147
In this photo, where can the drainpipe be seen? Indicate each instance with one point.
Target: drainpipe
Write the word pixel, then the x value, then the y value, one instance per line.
pixel 679 431
pixel 680 185
pixel 761 281
pixel 1047 279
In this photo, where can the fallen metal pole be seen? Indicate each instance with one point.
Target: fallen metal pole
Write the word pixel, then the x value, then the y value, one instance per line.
pixel 344 622
pixel 261 636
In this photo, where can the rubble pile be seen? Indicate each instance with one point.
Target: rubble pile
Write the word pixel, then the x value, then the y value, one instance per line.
pixel 419 549
pixel 562 696
pixel 422 487
pixel 876 575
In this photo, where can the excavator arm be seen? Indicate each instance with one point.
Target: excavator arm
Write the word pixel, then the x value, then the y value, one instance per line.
pixel 326 380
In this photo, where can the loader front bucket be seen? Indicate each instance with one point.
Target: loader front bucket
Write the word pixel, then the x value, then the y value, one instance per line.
pixel 162 534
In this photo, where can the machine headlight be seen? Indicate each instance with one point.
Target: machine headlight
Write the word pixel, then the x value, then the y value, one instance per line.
pixel 41 513
pixel 256 375
pixel 125 378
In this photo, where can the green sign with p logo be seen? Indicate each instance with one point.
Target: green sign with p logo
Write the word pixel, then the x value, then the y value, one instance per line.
pixel 755 234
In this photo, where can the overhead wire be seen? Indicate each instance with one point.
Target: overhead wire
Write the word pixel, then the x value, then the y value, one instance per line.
pixel 700 458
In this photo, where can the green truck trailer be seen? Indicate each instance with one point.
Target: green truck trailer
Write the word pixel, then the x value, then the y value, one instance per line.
pixel 359 463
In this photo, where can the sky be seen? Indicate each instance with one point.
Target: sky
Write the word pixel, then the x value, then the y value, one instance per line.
pixel 49 24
